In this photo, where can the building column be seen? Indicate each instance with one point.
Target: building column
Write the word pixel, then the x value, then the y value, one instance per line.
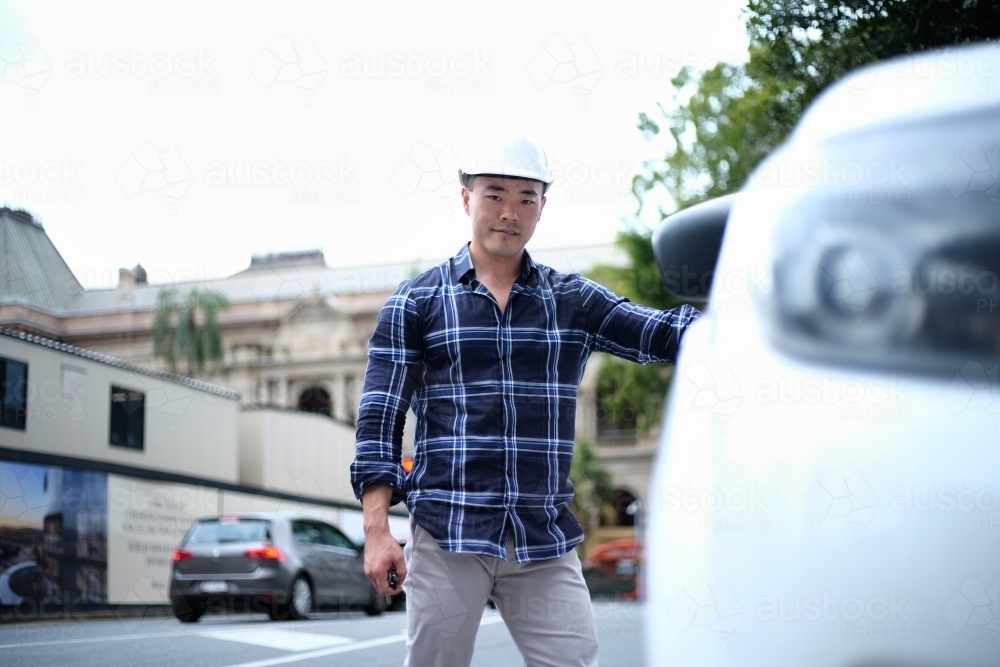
pixel 339 398
pixel 282 398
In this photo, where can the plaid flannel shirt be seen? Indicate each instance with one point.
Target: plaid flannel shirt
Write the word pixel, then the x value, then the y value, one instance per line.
pixel 494 394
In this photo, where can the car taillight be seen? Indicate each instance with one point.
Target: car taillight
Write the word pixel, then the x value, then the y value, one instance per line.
pixel 266 553
pixel 181 555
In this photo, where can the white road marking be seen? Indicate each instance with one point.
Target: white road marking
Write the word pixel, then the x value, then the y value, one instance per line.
pixel 356 646
pixel 88 640
pixel 286 640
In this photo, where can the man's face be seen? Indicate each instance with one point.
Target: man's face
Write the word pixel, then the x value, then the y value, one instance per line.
pixel 504 213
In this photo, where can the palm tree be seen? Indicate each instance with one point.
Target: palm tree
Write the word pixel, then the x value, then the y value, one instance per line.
pixel 195 337
pixel 591 486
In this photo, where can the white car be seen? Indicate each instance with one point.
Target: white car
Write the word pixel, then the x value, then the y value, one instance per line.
pixel 827 492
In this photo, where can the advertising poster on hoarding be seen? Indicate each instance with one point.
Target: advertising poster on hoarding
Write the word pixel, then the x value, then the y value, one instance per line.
pixel 146 522
pixel 53 536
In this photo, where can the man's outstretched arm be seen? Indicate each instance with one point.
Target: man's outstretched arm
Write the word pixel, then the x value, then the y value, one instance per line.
pixel 382 552
pixel 631 331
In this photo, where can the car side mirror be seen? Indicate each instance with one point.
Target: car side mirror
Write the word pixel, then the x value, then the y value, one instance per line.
pixel 686 246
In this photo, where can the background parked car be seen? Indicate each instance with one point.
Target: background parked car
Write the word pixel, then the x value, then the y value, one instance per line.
pixel 282 564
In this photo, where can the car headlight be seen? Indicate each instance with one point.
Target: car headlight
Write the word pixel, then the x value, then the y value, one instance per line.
pixel 902 277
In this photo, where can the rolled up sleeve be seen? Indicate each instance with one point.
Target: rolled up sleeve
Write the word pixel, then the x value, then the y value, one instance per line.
pixel 630 331
pixel 394 350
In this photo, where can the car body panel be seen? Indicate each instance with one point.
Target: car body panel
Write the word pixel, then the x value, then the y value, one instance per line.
pixel 814 504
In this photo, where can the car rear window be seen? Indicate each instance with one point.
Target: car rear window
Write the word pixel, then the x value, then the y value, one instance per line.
pixel 215 531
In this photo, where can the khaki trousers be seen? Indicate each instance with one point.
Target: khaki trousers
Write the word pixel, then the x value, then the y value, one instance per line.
pixel 545 604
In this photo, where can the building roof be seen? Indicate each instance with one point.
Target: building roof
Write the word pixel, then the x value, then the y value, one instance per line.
pixel 285 280
pixel 120 363
pixel 32 272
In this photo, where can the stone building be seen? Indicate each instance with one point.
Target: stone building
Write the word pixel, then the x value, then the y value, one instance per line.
pixel 295 333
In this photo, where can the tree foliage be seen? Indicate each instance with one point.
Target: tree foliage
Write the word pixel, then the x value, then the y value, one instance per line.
pixel 592 487
pixel 724 121
pixel 186 328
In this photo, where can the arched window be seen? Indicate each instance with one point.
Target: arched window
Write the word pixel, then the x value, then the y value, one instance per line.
pixel 621 501
pixel 315 399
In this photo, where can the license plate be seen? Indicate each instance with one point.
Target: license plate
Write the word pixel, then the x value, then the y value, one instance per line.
pixel 214 587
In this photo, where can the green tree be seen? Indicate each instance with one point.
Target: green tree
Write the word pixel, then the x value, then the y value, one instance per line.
pixel 186 328
pixel 723 122
pixel 624 387
pixel 591 486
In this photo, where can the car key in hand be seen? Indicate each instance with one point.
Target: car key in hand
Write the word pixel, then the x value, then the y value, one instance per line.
pixel 393 582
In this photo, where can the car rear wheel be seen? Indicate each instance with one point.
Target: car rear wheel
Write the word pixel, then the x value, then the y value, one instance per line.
pixel 185 613
pixel 300 602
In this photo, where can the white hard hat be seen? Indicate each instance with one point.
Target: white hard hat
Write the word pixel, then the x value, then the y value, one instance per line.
pixel 518 157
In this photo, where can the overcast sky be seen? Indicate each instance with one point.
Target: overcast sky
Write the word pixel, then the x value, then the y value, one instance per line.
pixel 191 137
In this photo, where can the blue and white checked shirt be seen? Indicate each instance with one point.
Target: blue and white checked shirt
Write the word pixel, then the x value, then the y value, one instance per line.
pixel 495 399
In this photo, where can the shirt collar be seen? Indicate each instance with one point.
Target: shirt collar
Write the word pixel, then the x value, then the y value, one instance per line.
pixel 462 270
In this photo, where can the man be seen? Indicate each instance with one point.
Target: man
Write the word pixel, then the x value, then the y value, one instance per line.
pixel 489 349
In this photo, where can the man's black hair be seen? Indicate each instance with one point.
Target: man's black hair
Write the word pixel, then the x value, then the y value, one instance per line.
pixel 468 180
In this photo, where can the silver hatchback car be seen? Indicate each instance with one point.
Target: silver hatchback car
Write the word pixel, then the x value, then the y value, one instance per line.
pixel 283 564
